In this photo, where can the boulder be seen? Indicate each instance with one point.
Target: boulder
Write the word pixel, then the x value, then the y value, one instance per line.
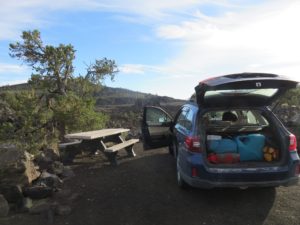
pixel 16 166
pixel 12 193
pixel 57 168
pixel 25 205
pixel 46 157
pixel 49 180
pixel 4 207
pixel 38 192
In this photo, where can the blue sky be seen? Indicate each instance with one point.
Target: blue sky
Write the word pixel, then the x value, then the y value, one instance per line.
pixel 163 47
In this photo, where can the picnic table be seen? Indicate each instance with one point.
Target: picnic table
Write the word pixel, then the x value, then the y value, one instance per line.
pixel 109 141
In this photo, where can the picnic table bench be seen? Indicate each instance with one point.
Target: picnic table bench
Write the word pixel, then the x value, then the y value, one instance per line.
pixel 100 140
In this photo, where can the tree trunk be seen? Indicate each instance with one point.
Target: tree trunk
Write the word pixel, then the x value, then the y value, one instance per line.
pixel 62 130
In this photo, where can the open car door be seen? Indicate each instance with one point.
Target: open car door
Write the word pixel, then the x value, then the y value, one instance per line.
pixel 156 126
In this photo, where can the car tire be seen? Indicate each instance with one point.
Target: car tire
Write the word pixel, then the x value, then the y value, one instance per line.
pixel 180 182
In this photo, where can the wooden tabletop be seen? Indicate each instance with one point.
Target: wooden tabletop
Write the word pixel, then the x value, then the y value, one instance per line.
pixel 89 135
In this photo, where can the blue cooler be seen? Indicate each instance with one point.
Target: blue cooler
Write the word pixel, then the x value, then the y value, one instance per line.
pixel 221 146
pixel 251 147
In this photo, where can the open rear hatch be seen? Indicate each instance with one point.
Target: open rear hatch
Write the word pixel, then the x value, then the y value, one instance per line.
pixel 242 137
pixel 235 130
pixel 244 89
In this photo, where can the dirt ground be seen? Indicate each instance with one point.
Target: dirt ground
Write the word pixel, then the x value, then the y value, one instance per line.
pixel 142 190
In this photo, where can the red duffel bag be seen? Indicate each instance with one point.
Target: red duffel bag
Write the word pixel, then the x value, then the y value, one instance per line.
pixel 225 158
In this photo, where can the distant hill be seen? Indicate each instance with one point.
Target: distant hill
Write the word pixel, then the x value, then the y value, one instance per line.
pixel 15 87
pixel 109 96
pixel 120 96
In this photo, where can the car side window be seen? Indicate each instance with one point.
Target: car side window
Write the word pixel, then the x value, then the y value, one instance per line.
pixel 185 118
pixel 155 116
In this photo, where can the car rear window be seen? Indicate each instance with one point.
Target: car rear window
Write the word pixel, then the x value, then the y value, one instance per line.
pixel 235 117
pixel 267 92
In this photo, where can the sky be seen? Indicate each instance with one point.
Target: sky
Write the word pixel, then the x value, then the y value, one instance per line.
pixel 163 47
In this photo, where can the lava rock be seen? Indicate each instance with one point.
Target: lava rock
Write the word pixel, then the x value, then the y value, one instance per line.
pixel 57 168
pixel 46 158
pixel 38 192
pixel 16 166
pixel 12 193
pixel 25 205
pixel 4 207
pixel 49 180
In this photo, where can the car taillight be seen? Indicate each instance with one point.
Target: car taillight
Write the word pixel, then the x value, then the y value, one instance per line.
pixel 193 144
pixel 293 143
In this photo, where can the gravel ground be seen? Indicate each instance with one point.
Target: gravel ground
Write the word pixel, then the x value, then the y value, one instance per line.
pixel 142 190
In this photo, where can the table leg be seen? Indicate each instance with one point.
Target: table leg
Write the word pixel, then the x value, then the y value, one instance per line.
pixel 130 151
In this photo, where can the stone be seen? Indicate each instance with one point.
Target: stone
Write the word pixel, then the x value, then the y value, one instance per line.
pixel 52 153
pixel 46 157
pixel 25 205
pixel 38 192
pixel 4 207
pixel 57 168
pixel 49 180
pixel 12 193
pixel 16 166
pixel 43 162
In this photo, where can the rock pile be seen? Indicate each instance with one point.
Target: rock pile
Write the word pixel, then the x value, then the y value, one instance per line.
pixel 31 184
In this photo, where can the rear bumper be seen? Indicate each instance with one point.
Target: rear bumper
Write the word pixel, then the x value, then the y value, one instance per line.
pixel 207 184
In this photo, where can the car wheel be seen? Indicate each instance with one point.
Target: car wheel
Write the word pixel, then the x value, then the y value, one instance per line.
pixel 180 182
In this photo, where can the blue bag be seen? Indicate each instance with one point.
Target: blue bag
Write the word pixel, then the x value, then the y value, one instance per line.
pixel 251 147
pixel 224 145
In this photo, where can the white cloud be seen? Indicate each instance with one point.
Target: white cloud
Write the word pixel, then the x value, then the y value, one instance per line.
pixel 262 39
pixel 13 74
pixel 19 15
pixel 132 69
pixel 150 69
pixel 6 68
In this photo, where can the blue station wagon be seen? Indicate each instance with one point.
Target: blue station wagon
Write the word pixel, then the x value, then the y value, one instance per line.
pixel 227 135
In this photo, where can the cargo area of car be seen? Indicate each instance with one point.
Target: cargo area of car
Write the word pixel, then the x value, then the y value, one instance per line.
pixel 241 137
